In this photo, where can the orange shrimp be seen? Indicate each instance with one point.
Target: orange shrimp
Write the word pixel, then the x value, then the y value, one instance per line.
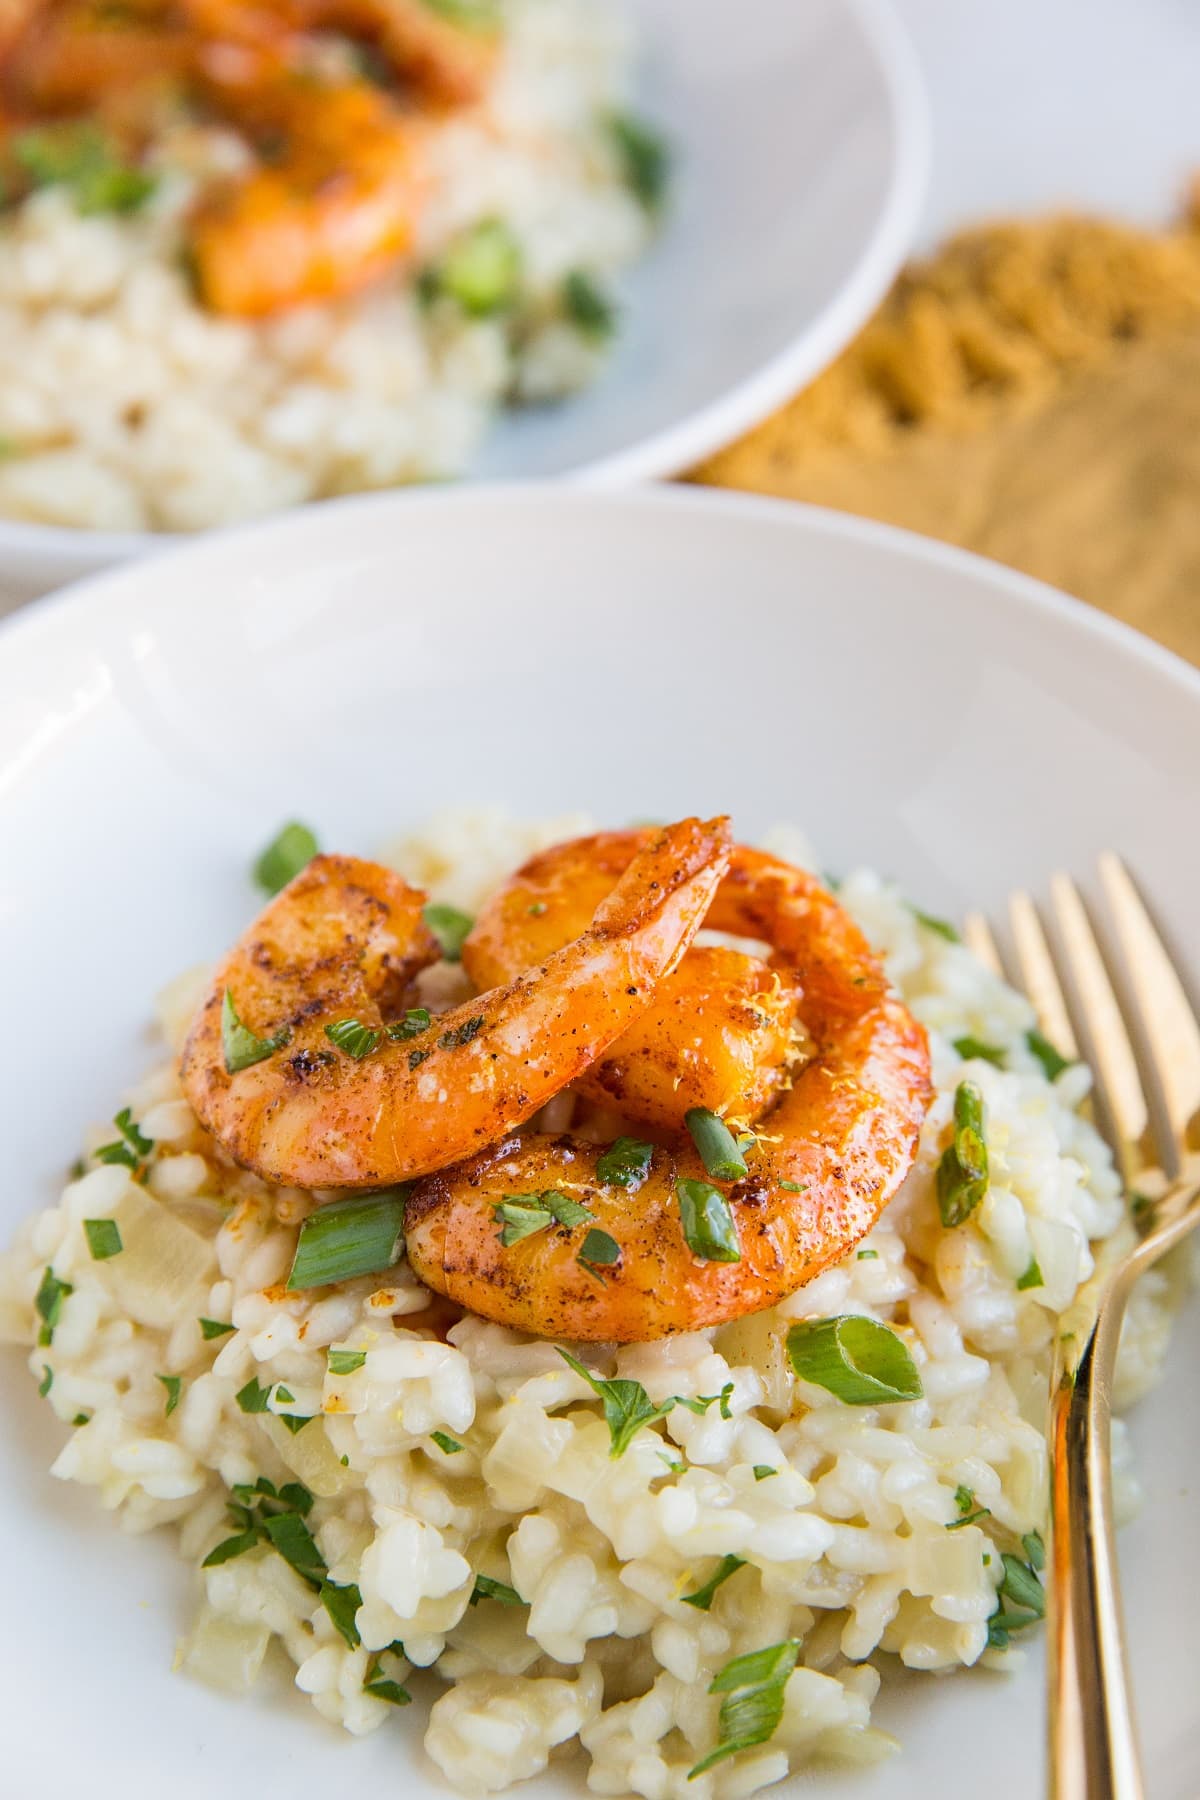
pixel 831 1154
pixel 331 215
pixel 344 941
pixel 721 1032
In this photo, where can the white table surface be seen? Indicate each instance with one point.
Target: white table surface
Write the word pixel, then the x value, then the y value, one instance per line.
pixel 1043 103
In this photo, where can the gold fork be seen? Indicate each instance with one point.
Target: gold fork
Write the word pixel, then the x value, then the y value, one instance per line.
pixel 1145 1056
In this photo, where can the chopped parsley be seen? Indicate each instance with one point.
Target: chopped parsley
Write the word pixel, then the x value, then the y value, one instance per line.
pixel 627 1405
pixel 521 1215
pixel 974 1049
pixel 448 1445
pixel 598 1251
pixel 86 162
pixel 252 1508
pixel 626 1163
pixel 763 1471
pixel 1032 1277
pixel 644 157
pixel 344 1362
pixel 103 1237
pixel 357 1040
pixel 462 1034
pixel 253 1397
pixel 215 1328
pixel 342 1603
pixel 792 1187
pixel 173 1384
pixel 931 922
pixel 486 1588
pixel 382 1688
pixel 47 1381
pixel 450 927
pixel 290 851
pixel 243 1047
pixel 703 1597
pixel 587 306
pixel 414 1022
pixel 1053 1063
pixel 1020 1599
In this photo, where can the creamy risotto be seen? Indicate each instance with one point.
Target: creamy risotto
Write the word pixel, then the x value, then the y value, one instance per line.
pixel 369 1486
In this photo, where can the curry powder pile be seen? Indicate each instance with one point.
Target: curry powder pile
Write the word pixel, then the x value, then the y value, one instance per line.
pixel 1031 392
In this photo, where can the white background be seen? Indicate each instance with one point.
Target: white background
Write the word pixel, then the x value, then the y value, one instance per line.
pixel 1043 103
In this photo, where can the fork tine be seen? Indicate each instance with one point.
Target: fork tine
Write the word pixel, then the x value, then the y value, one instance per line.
pixel 1118 1083
pixel 977 936
pixel 1039 977
pixel 1171 1032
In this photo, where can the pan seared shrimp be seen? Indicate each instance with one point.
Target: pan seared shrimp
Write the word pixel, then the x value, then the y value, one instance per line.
pixel 721 1032
pixel 331 214
pixel 831 1154
pixel 344 940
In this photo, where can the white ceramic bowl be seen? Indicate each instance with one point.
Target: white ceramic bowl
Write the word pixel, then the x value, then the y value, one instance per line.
pixel 360 664
pixel 800 140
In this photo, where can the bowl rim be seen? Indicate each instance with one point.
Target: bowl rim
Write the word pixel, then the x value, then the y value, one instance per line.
pixel 77 550
pixel 45 616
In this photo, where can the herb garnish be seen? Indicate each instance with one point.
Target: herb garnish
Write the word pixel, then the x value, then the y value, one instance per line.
pixel 342 1603
pixel 450 927
pixel 867 1256
pixel 1032 1277
pixel 973 1048
pixel 521 1215
pixel 86 161
pixel 414 1022
pixel 130 1147
pixel 627 1405
pixel 488 1589
pixel 448 1445
pixel 215 1328
pixel 753 1688
pixel 708 1222
pixel 717 1147
pixel 931 922
pixel 626 1163
pixel 587 306
pixel 702 1599
pixel 344 1362
pixel 383 1689
pixel 858 1359
pixel 598 1252
pixel 361 1235
pixel 462 1034
pixel 48 1302
pixel 47 1381
pixel 1053 1063
pixel 1025 1595
pixel 290 851
pixel 172 1383
pixel 103 1237
pixel 252 1507
pixel 763 1470
pixel 962 1179
pixel 243 1047
pixel 645 159
pixel 481 270
pixel 357 1040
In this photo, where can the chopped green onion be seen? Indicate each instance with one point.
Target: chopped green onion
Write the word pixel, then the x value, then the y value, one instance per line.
pixel 962 1179
pixel 645 159
pixel 762 1471
pixel 84 160
pixel 1035 1550
pixel 716 1144
pixel 355 1039
pixel 481 270
pixel 964 1499
pixel 253 1397
pixel 856 1358
pixel 487 1589
pixel 342 1603
pixel 358 1236
pixel 450 927
pixel 47 1381
pixel 708 1222
pixel 971 1518
pixel 587 305
pixel 1033 1277
pixel 284 857
pixel 215 1328
pixel 344 1362
pixel 242 1047
pixel 753 1688
pixel 627 1405
pixel 931 923
pixel 703 1597
pixel 130 1147
pixel 626 1163
pixel 448 1445
pixel 868 1255
pixel 1053 1063
pixel 48 1301
pixel 973 1048
pixel 172 1383
pixel 104 1238
pixel 598 1251
pixel 414 1022
pixel 462 1034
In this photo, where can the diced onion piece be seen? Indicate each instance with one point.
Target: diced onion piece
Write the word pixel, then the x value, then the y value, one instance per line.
pixel 309 1455
pixel 224 1652
pixel 164 1269
pixel 759 1341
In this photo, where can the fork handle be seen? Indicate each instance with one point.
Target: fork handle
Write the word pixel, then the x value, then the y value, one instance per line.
pixel 1093 1736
